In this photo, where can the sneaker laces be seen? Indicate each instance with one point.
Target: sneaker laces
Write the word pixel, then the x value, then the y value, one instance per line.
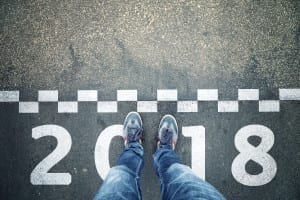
pixel 134 133
pixel 166 136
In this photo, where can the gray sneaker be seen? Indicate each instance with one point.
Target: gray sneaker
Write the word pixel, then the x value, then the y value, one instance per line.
pixel 133 128
pixel 167 132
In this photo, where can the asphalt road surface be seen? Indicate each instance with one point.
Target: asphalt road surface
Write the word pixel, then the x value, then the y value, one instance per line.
pixel 70 71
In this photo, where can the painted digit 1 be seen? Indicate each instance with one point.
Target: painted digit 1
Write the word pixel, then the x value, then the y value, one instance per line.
pixel 258 154
pixel 197 134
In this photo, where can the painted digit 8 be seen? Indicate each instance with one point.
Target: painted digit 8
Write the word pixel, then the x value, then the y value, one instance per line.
pixel 258 154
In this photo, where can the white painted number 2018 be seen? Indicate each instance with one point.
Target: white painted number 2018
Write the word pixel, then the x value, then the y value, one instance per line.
pixel 40 175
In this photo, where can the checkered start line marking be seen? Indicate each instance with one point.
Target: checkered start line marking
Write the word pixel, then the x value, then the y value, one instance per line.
pixel 163 95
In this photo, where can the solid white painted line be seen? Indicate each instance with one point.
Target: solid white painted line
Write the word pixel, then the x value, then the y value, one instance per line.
pixel 289 94
pixel 147 106
pixel 127 95
pixel 187 106
pixel 87 95
pixel 269 106
pixel 248 94
pixel 228 106
pixel 67 106
pixel 9 96
pixel 167 95
pixel 107 107
pixel 48 95
pixel 207 95
pixel 28 107
pixel 197 134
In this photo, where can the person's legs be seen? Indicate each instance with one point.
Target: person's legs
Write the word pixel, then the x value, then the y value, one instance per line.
pixel 177 180
pixel 123 180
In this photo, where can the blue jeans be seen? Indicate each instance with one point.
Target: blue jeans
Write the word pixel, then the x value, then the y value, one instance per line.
pixel 177 180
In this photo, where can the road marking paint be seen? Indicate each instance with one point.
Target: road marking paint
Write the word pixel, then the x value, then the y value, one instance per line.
pixel 9 96
pixel 147 106
pixel 40 174
pixel 107 106
pixel 197 133
pixel 150 106
pixel 269 106
pixel 289 94
pixel 127 95
pixel 68 107
pixel 258 154
pixel 28 107
pixel 228 106
pixel 167 95
pixel 87 95
pixel 207 95
pixel 248 94
pixel 48 95
pixel 187 106
pixel 102 148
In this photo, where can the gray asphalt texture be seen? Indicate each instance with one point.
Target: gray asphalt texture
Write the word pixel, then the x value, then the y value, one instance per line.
pixel 147 45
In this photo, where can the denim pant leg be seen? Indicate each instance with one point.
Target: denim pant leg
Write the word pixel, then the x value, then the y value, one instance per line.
pixel 123 180
pixel 178 181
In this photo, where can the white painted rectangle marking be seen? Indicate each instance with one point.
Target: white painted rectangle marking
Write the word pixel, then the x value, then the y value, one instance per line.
pixel 269 106
pixel 48 95
pixel 147 106
pixel 248 94
pixel 127 95
pixel 107 106
pixel 167 95
pixel 228 106
pixel 28 107
pixel 197 134
pixel 207 95
pixel 87 95
pixel 68 107
pixel 9 96
pixel 187 106
pixel 289 94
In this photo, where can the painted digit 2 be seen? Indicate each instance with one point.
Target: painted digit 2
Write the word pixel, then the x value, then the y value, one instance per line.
pixel 40 175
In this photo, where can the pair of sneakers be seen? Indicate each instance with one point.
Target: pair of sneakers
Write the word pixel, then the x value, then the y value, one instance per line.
pixel 167 131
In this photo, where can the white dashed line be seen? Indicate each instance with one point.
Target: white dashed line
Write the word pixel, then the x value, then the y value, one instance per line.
pixel 9 96
pixel 107 107
pixel 127 95
pixel 28 107
pixel 167 95
pixel 289 94
pixel 248 94
pixel 48 95
pixel 269 106
pixel 68 107
pixel 87 95
pixel 147 106
pixel 228 106
pixel 187 106
pixel 207 95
